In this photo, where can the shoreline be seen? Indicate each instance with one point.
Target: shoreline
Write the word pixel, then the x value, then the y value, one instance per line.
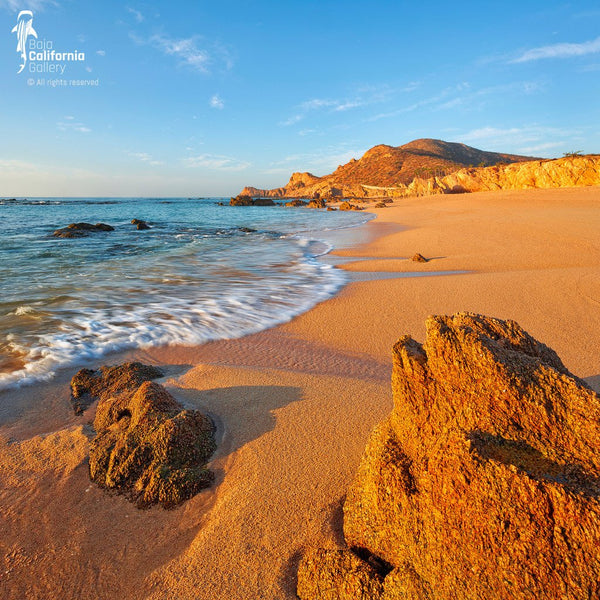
pixel 295 404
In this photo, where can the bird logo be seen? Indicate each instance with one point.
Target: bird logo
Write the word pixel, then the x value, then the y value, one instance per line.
pixel 23 29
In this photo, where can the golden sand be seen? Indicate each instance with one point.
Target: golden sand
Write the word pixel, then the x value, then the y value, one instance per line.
pixel 294 406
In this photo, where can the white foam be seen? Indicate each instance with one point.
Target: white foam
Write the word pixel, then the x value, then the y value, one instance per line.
pixel 240 309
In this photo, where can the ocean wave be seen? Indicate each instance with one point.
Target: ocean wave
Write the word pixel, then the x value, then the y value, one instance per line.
pixel 242 307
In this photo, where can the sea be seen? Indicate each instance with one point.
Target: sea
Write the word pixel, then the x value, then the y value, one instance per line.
pixel 202 272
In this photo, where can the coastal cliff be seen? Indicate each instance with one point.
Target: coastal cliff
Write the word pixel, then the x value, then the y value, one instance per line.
pixel 484 481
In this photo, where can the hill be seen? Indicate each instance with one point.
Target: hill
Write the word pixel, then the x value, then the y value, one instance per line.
pixel 388 167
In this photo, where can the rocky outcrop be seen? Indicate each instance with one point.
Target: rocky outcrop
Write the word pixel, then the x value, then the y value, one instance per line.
pixel 88 385
pixel 76 230
pixel 386 171
pixel 147 446
pixel 317 203
pixel 247 200
pixel 563 172
pixel 484 482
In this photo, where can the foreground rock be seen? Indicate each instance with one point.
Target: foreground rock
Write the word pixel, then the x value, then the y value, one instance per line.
pixel 75 230
pixel 419 258
pixel 147 446
pixel 484 482
pixel 88 385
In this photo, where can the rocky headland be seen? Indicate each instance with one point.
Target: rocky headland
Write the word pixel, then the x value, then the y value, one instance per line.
pixel 426 167
pixel 484 482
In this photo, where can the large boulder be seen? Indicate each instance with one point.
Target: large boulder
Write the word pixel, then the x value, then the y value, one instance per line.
pixel 484 482
pixel 76 230
pixel 149 448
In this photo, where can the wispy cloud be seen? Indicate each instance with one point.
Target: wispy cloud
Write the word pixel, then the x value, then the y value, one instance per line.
pixel 137 15
pixel 216 162
pixel 364 96
pixel 147 158
pixel 185 50
pixel 17 5
pixel 562 50
pixel 217 102
pixel 528 139
pixel 69 123
pixel 322 160
pixel 189 52
pixel 101 52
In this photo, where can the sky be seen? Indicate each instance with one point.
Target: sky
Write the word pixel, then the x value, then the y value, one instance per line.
pixel 202 98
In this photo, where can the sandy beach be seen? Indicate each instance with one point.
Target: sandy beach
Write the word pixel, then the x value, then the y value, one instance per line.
pixel 294 405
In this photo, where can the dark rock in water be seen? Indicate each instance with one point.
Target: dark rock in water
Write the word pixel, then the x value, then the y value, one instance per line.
pixel 317 203
pixel 381 205
pixel 419 258
pixel 88 385
pixel 295 203
pixel 149 448
pixel 331 208
pixel 247 229
pixel 75 230
pixel 484 481
pixel 241 201
pixel 140 225
pixel 263 202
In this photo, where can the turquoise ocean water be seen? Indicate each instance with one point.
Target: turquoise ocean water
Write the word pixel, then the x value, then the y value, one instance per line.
pixel 194 276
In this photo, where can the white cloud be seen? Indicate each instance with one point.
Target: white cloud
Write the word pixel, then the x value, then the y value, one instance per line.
pixel 101 52
pixel 17 5
pixel 364 96
pixel 541 147
pixel 147 158
pixel 563 50
pixel 137 15
pixel 529 139
pixel 321 161
pixel 185 50
pixel 217 102
pixel 216 162
pixel 70 124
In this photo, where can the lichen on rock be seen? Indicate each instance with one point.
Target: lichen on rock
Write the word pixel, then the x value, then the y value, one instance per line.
pixel 484 482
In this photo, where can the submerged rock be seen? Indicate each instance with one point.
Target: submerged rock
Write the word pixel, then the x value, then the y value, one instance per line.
pixel 88 385
pixel 75 230
pixel 484 482
pixel 140 225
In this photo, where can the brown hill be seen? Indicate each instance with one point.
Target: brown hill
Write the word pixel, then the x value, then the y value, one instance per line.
pixel 388 167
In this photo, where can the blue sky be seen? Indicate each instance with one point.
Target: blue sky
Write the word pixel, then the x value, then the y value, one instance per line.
pixel 200 99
